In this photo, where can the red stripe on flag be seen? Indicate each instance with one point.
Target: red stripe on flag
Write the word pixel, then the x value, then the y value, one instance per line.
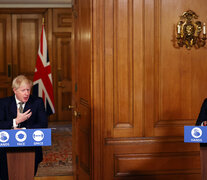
pixel 42 73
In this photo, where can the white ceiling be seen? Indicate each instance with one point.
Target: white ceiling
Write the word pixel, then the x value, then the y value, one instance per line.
pixel 35 3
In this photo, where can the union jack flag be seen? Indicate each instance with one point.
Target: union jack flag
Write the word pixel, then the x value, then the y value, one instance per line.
pixel 42 81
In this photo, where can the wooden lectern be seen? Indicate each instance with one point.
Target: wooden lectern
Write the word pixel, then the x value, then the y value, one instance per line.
pixel 21 162
pixel 21 151
pixel 203 157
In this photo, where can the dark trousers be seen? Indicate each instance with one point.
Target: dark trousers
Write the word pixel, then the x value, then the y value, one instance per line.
pixel 3 165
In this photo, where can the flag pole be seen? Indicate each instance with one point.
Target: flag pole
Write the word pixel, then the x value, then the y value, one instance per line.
pixel 43 21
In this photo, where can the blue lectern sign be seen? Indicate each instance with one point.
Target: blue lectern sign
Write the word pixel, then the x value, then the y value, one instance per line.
pixel 195 134
pixel 25 137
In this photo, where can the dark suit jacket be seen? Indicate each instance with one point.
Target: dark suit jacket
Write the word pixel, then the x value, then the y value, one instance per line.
pixel 38 119
pixel 203 113
pixel 202 117
pixel 8 112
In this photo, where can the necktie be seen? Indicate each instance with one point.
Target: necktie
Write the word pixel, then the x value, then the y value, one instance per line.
pixel 21 107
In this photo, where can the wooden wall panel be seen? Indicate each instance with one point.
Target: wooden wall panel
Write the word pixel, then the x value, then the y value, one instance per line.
pixel 4 91
pixel 5 55
pixel 26 29
pixel 4 34
pixel 151 90
pixel 141 164
pixel 63 20
pixel 150 158
pixel 123 68
pixel 178 72
pixel 167 74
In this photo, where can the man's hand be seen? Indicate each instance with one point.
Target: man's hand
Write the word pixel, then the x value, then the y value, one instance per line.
pixel 21 117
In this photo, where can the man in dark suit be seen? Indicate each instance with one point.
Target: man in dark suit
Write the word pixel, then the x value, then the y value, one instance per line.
pixel 33 115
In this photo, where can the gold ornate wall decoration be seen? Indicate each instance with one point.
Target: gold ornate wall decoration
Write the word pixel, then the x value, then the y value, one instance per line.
pixel 189 31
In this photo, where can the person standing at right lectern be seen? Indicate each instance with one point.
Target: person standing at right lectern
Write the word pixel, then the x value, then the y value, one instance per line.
pixel 202 117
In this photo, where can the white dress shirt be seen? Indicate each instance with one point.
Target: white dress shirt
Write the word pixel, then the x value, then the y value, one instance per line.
pixel 14 120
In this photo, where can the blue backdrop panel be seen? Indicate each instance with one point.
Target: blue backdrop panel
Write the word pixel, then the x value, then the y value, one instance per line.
pixel 25 137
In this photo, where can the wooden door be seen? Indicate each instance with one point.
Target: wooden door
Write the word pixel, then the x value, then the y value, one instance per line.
pixel 62 62
pixel 19 44
pixel 82 61
pixel 26 29
pixel 5 55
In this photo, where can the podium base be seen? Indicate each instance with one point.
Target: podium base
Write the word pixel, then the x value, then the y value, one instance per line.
pixel 21 163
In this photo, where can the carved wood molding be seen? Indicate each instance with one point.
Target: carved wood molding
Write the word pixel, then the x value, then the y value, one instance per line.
pixel 35 3
pixel 176 122
pixel 116 141
pixel 140 164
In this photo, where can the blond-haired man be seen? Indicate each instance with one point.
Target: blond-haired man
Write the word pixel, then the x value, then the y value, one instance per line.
pixel 22 110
